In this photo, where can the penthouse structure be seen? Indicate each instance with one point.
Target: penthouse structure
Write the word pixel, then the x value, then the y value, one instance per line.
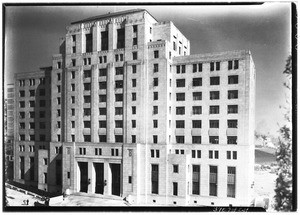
pixel 128 111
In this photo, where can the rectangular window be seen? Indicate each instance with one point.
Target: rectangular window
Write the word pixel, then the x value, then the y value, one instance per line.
pixel 134 41
pixel 42 92
pixel 180 139
pixel 102 138
pixel 175 188
pixel 22 104
pixel 197 110
pixel 155 82
pixel 87 99
pixel 102 98
pixel 87 124
pixel 214 139
pixel 102 85
pixel 45 178
pixel 104 40
pixel 42 114
pixel 214 123
pixel 233 79
pixel 180 110
pixel 232 140
pixel 214 110
pixel 120 38
pixel 89 42
pixel 102 72
pixel 72 87
pixel 82 151
pixel 118 110
pixel 42 103
pixel 86 111
pixel 73 124
pixel 119 123
pixel 119 70
pixel 154 138
pixel 155 96
pixel 231 175
pixel 133 96
pixel 73 112
pixel 213 180
pixel 233 94
pixel 234 155
pixel 133 109
pixel 196 123
pixel 73 62
pixel 155 67
pixel 212 66
pixel 230 65
pixel 217 66
pixel 87 138
pixel 119 84
pixel 210 154
pixel 197 82
pixel 87 73
pixel 214 80
pixel 216 154
pixel 155 123
pixel 22 93
pixel 236 64
pixel 133 82
pixel 134 55
pixel 156 54
pixel 228 155
pixel 31 93
pixel 98 151
pixel 133 138
pixel 133 123
pixel 154 178
pixel 200 67
pixel 87 86
pixel 119 138
pixel 182 68
pixel 119 97
pixel 194 68
pixel 232 109
pixel 32 103
pixel 180 96
pixel 179 123
pixel 178 69
pixel 175 168
pixel 133 69
pixel 196 139
pixel 102 124
pixel 232 123
pixel 214 95
pixel 197 96
pixel 155 109
pixel 180 82
pixel 196 180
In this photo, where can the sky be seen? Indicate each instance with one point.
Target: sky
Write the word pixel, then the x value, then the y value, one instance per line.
pixel 32 35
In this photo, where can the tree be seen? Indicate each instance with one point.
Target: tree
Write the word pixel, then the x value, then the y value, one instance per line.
pixel 283 190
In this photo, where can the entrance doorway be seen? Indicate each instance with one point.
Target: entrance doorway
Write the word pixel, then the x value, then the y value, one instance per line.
pixel 115 176
pixel 99 170
pixel 83 167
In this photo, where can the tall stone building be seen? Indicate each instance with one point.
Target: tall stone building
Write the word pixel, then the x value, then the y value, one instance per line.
pixel 128 111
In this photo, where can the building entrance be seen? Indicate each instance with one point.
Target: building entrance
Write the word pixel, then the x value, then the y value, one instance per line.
pixel 99 170
pixel 83 168
pixel 115 176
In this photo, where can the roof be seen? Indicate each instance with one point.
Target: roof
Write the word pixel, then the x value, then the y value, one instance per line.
pixel 104 16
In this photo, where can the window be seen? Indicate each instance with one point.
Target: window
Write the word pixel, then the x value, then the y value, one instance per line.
pixel 134 27
pixel 133 138
pixel 58 76
pixel 155 67
pixel 232 140
pixel 236 64
pixel 232 94
pixel 73 62
pixel 180 96
pixel 45 161
pixel 154 178
pixel 87 99
pixel 155 95
pixel 31 114
pixel 72 87
pixel 31 125
pixel 180 82
pixel 231 182
pixel 180 110
pixel 199 67
pixel 87 138
pixel 175 168
pixel 73 124
pixel 197 82
pixel 134 55
pixel 31 104
pixel 228 155
pixel 42 137
pixel 217 66
pixel 212 66
pixel 154 138
pixel 86 111
pixel 156 54
pixel 87 124
pixel 232 109
pixel 87 86
pixel 22 115
pixel 42 92
pixel 196 180
pixel 134 41
pixel 234 155
pixel 119 97
pixel 102 85
pixel 233 79
pixel 214 123
pixel 178 69
pixel 73 112
pixel 102 138
pixel 102 72
pixel 197 110
pixel 133 110
pixel 118 110
pixel 22 104
pixel 119 123
pixel 214 80
pixel 194 68
pixel 119 70
pixel 82 151
pixel 179 123
pixel 87 61
pixel 98 151
pixel 119 84
pixel 42 114
pixel 214 95
pixel 102 98
pixel 230 65
pixel 21 83
pixel 133 69
pixel 155 109
pixel 133 123
pixel 58 124
pixel 102 124
pixel 214 110
pixel 180 139
pixel 89 42
pixel 175 188
pixel 232 123
pixel 214 139
pixel 213 180
pixel 104 59
pixel 31 93
pixel 197 96
pixel 120 38
pixel 133 82
pixel 58 88
pixel 155 82
pixel 42 103
pixel 155 123
pixel 32 137
pixel 133 96
pixel 22 93
pixel 119 138
pixel 182 67
pixel 196 139
pixel 196 123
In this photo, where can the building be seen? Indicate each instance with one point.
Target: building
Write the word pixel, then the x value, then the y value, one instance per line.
pixel 133 113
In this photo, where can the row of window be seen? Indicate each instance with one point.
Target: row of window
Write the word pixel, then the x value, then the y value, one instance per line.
pixel 42 114
pixel 42 103
pixel 197 82
pixel 213 95
pixel 42 92
pixel 42 137
pixel 32 82
pixel 213 180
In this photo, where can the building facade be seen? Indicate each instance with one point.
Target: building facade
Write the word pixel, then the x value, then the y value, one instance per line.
pixel 130 112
